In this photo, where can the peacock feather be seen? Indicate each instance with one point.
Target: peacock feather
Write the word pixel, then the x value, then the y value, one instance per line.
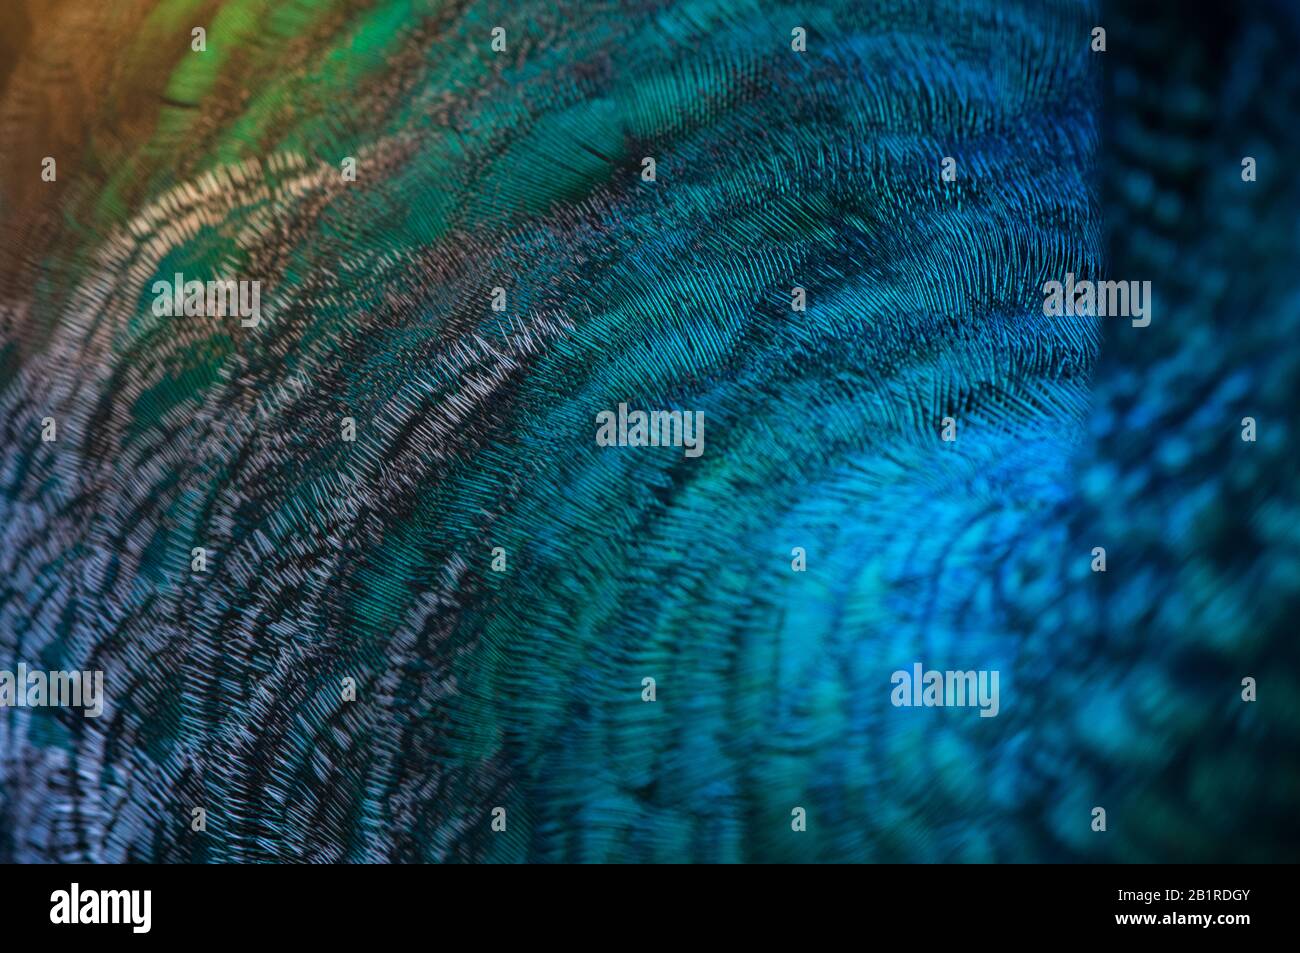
pixel 462 253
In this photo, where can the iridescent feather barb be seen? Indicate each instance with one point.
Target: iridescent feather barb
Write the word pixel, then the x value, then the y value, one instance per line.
pixel 520 170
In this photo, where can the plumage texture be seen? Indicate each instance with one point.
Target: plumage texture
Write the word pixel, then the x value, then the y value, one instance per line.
pixel 522 170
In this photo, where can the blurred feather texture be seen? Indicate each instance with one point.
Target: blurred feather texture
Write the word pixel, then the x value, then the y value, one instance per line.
pixel 475 429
